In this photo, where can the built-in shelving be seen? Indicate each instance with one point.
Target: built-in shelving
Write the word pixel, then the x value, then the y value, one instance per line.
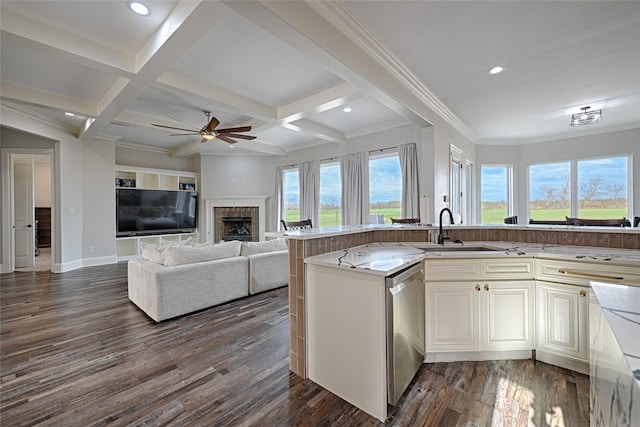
pixel 154 179
pixel 128 247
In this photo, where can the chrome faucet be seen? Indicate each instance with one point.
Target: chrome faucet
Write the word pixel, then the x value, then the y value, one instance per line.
pixel 441 237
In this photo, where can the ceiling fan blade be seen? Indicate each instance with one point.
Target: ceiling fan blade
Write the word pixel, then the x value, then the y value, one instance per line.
pixel 232 130
pixel 172 127
pixel 212 124
pixel 181 134
pixel 226 139
pixel 235 135
pixel 184 123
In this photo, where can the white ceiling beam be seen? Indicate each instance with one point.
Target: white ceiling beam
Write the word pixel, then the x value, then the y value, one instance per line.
pixel 323 101
pixel 177 82
pixel 65 45
pixel 44 99
pixel 197 147
pixel 184 27
pixel 316 130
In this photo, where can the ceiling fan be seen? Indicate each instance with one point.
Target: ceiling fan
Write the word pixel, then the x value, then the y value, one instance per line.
pixel 209 131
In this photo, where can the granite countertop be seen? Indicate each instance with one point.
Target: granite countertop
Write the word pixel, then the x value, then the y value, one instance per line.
pixel 621 307
pixel 388 258
pixel 339 230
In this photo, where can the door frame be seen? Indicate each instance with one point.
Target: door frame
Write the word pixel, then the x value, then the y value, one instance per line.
pixel 9 155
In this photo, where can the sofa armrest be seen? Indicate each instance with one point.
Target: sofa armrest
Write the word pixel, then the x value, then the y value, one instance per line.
pixel 268 270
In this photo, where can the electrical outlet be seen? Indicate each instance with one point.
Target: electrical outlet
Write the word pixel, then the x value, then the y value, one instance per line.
pixel 90 249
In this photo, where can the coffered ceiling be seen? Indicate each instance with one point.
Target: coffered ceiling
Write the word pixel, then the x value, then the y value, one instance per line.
pixel 288 69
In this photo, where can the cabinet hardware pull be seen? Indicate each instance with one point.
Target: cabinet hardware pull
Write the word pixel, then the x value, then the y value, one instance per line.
pixel 587 274
pixel 486 287
pixel 583 294
pixel 477 287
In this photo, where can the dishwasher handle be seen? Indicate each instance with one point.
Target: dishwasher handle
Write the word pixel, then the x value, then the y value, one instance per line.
pixel 402 275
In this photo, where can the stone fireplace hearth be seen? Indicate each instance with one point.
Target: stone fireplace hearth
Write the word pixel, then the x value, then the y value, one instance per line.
pixel 235 218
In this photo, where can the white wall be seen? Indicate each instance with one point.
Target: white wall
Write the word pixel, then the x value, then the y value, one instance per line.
pixel 98 215
pixel 242 175
pixel 42 184
pixel 585 147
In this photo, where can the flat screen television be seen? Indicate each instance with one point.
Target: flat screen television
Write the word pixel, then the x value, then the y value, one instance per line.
pixel 144 212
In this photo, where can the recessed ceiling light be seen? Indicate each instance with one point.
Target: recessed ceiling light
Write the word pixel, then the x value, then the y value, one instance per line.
pixel 69 114
pixel 347 109
pixel 231 146
pixel 138 8
pixel 496 70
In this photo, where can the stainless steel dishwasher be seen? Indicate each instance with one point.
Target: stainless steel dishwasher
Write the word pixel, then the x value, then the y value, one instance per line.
pixel 405 329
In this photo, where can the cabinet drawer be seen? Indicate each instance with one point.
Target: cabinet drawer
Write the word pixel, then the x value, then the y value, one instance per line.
pixel 452 269
pixel 507 269
pixel 580 273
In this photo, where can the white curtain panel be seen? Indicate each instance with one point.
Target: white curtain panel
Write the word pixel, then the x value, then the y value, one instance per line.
pixel 410 193
pixel 279 199
pixel 354 169
pixel 309 178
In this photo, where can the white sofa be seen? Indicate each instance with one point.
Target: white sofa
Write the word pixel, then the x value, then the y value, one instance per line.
pixel 172 280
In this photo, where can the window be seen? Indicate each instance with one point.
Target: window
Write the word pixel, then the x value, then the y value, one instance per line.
pixel 594 188
pixel 550 191
pixel 330 194
pixel 495 198
pixel 291 190
pixel 385 187
pixel 455 181
pixel 467 191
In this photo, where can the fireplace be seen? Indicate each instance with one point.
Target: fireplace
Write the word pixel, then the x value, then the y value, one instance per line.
pixel 236 223
pixel 235 218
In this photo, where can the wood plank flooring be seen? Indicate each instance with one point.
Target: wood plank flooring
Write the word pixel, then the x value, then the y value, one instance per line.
pixel 75 352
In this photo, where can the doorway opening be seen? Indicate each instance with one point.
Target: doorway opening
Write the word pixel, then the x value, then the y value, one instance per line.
pixel 31 207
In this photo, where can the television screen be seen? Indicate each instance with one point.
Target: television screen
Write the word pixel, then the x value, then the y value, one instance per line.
pixel 143 212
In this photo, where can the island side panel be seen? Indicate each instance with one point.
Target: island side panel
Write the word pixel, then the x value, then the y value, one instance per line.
pixel 346 341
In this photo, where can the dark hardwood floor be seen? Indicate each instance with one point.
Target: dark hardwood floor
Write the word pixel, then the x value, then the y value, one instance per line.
pixel 75 352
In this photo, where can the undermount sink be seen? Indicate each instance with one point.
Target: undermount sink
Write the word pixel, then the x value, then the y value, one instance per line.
pixel 460 249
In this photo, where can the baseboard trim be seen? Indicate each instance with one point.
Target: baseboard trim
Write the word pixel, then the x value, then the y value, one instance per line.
pixel 468 356
pixel 566 362
pixel 103 260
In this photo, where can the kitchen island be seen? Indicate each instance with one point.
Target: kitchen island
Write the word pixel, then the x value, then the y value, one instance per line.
pixel 366 250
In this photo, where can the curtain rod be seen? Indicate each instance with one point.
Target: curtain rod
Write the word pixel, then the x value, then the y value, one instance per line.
pixel 381 150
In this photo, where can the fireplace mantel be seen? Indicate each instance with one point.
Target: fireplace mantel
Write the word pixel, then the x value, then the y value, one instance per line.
pixel 231 201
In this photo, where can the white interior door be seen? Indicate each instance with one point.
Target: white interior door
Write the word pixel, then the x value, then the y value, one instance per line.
pixel 24 214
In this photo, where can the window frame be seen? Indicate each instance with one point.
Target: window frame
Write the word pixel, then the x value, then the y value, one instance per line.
pixel 385 154
pixel 574 197
pixel 509 185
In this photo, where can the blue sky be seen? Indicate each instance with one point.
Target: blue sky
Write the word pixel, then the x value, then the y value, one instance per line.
pixel 612 170
pixel 384 177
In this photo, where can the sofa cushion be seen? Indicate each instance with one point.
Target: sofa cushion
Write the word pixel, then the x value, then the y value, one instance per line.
pixel 252 248
pixel 153 253
pixel 179 255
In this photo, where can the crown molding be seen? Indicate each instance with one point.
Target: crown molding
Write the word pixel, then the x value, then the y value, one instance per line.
pixel 339 16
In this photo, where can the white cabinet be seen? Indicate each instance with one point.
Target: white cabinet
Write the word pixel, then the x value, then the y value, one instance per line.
pixel 452 316
pixel 479 305
pixel 508 311
pixel 346 335
pixel 562 326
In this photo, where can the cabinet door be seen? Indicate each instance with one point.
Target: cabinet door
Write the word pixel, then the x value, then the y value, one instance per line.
pixel 508 315
pixel 452 315
pixel 562 319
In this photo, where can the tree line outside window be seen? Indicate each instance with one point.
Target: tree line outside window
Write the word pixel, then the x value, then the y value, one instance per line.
pixel 593 188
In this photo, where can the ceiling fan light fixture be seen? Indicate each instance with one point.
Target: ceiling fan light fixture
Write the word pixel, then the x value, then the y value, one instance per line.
pixel 208 136
pixel 586 117
pixel 138 8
